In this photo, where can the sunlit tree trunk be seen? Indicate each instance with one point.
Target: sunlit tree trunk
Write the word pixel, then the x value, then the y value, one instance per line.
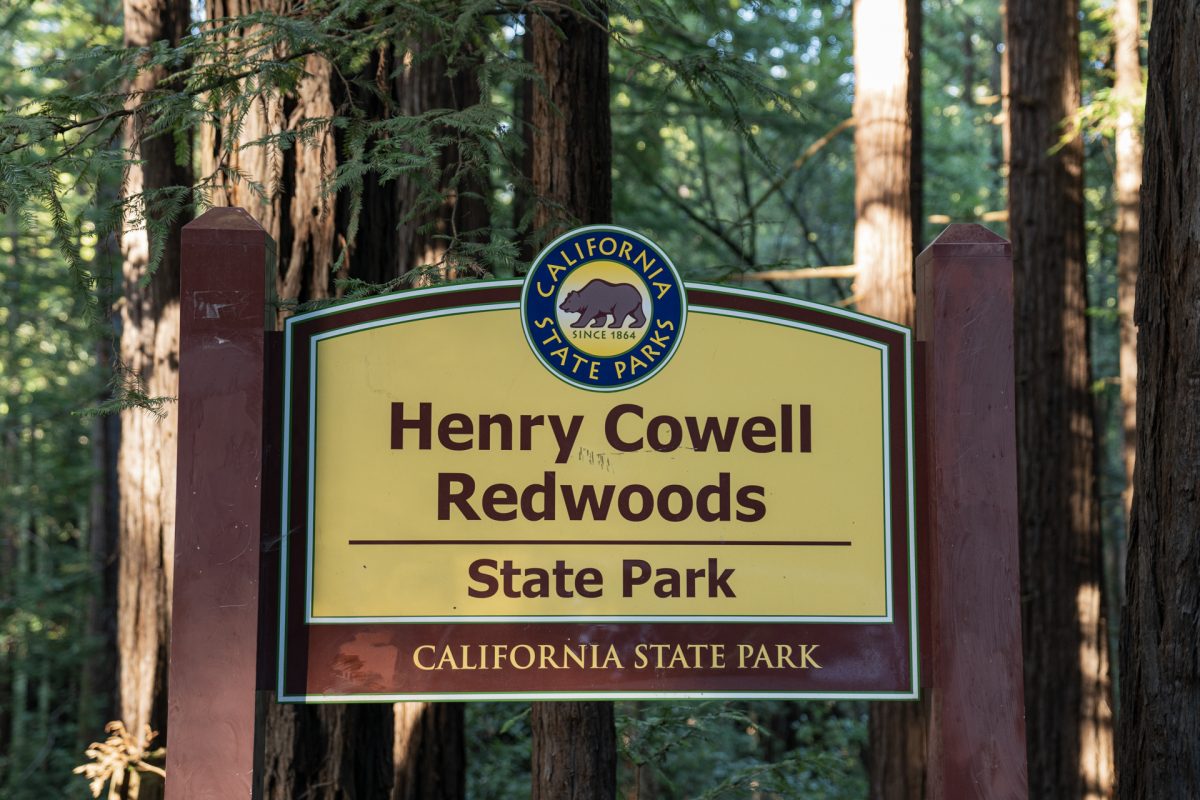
pixel 290 205
pixel 1067 688
pixel 1160 653
pixel 887 170
pixel 429 752
pixel 1128 93
pixel 574 744
pixel 150 348
pixel 884 165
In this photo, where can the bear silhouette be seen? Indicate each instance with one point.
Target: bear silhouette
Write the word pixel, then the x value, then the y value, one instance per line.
pixel 598 300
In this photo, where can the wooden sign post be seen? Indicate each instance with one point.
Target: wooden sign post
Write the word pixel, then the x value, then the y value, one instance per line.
pixel 976 737
pixel 347 646
pixel 227 264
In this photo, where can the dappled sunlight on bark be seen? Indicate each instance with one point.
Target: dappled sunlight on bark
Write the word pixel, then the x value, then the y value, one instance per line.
pixel 1095 730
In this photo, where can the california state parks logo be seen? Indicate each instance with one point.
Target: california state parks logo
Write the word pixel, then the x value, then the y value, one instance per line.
pixel 603 308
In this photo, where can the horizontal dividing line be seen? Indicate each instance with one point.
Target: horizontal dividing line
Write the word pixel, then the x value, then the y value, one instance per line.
pixel 691 542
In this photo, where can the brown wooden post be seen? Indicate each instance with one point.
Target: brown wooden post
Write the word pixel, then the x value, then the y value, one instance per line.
pixel 965 317
pixel 214 639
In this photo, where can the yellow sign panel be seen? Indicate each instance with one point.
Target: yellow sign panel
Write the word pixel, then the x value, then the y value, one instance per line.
pixel 454 478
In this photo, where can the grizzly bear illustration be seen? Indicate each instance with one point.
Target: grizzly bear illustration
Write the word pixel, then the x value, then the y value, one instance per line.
pixel 599 300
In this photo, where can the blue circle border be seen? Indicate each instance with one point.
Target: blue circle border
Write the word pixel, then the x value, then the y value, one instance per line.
pixel 683 307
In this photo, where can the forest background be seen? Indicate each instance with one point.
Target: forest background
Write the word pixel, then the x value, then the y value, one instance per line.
pixel 804 148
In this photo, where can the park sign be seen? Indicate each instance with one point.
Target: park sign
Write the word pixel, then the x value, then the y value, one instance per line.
pixel 596 482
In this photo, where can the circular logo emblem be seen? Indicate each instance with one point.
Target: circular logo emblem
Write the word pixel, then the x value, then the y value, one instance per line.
pixel 603 308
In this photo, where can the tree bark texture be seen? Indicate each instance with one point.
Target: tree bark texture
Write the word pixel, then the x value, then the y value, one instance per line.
pixel 402 227
pixel 150 348
pixel 574 744
pixel 374 255
pixel 328 752
pixel 1067 689
pixel 423 85
pixel 574 751
pixel 571 165
pixel 289 202
pixel 914 101
pixel 1127 90
pixel 887 186
pixel 523 201
pixel 884 224
pixel 429 752
pixel 1160 652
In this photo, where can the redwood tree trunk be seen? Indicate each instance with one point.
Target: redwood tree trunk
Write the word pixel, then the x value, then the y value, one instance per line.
pixel 149 347
pixel 884 100
pixel 574 751
pixel 574 744
pixel 429 752
pixel 458 209
pixel 887 185
pixel 1067 690
pixel 1127 89
pixel 523 202
pixel 327 752
pixel 293 211
pixel 1160 653
pixel 571 163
